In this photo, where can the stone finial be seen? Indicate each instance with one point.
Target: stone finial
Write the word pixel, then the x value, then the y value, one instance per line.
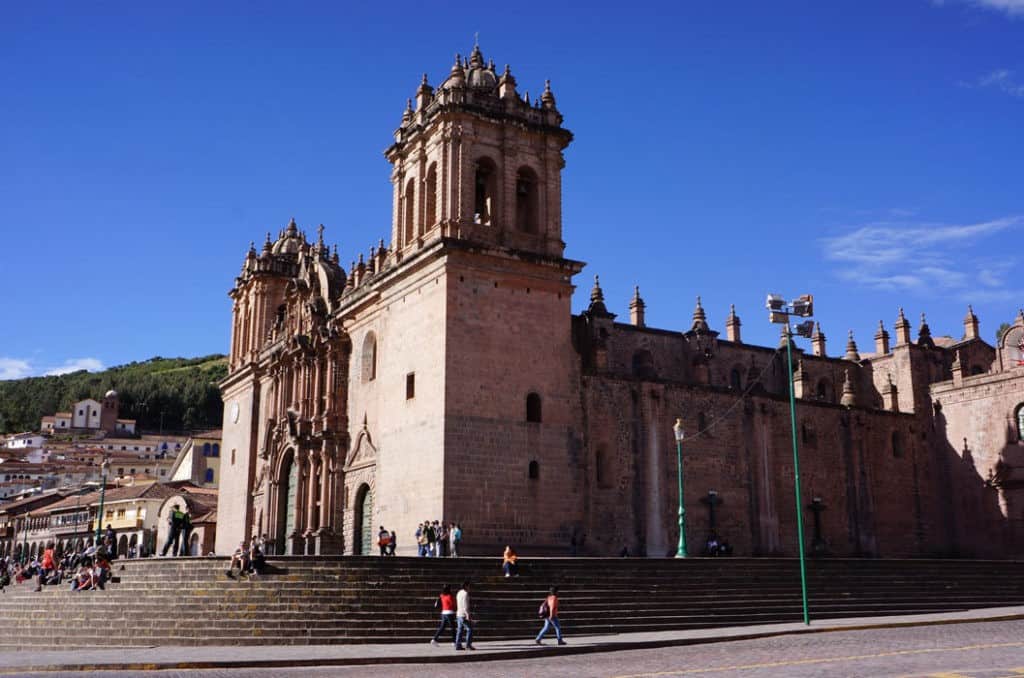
pixel 1020 316
pixel 267 244
pixel 424 86
pixel 783 335
pixel 597 307
pixel 924 333
pixel 881 339
pixel 547 99
pixel 407 113
pixel 732 325
pixel 457 77
pixel 507 84
pixel 334 254
pixel 970 324
pixel 476 57
pixel 320 235
pixel 293 228
pixel 902 328
pixel 700 320
pixel 851 349
pixel 849 398
pixel 596 294
pixel 818 341
pixel 252 248
pixel 637 308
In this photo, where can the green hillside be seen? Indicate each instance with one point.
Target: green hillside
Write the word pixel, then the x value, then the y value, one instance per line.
pixel 183 391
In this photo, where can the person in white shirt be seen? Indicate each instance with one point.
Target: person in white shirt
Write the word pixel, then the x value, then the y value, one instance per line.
pixel 463 618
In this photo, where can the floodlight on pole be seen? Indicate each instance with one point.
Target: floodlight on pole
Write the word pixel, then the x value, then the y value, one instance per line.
pixel 802 307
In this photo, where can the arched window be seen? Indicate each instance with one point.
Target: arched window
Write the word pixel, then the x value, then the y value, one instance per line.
pixel 735 379
pixel 485 204
pixel 209 475
pixel 897 445
pixel 206 449
pixel 369 357
pixel 533 411
pixel 409 211
pixel 526 200
pixel 534 470
pixel 824 390
pixel 215 450
pixel 643 365
pixel 1020 422
pixel 430 199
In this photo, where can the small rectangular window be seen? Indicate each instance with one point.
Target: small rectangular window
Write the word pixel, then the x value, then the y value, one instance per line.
pixel 410 386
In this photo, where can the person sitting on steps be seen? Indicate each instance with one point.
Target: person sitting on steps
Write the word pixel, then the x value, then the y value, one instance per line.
pixel 509 562
pixel 241 557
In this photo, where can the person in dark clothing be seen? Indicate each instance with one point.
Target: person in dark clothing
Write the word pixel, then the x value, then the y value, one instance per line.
pixel 186 531
pixel 175 521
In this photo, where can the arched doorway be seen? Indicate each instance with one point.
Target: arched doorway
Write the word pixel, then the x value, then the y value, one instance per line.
pixel 287 496
pixel 133 546
pixel 363 524
pixel 122 546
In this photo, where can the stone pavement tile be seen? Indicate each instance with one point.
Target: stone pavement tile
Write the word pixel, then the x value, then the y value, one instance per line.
pixel 240 656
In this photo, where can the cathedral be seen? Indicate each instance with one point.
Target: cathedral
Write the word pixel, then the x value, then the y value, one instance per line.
pixel 444 375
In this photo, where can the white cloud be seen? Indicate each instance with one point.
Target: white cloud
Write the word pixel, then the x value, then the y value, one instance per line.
pixel 1001 79
pixel 16 368
pixel 1012 8
pixel 74 365
pixel 12 368
pixel 922 257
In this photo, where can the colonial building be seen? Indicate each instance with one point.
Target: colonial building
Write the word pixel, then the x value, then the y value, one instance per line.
pixel 444 375
pixel 90 414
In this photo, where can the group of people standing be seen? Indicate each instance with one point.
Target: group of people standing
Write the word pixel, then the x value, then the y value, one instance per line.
pixel 437 540
pixel 456 615
pixel 179 525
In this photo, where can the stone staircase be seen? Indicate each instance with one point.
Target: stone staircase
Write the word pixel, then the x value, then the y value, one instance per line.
pixel 351 599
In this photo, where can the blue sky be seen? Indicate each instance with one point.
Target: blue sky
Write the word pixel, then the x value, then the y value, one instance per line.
pixel 866 152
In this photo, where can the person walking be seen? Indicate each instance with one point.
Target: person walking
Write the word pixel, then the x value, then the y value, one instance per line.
pixel 463 618
pixel 393 543
pixel 549 613
pixel 383 541
pixel 445 601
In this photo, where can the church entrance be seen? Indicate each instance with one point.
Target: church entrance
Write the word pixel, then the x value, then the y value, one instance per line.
pixel 286 503
pixel 364 522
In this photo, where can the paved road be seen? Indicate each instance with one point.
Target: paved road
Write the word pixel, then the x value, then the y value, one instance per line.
pixel 978 650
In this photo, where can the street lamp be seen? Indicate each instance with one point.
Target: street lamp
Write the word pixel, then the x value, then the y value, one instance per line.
pixel 103 492
pixel 679 434
pixel 779 312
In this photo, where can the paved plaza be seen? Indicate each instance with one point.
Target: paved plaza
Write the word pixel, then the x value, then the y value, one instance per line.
pixel 976 644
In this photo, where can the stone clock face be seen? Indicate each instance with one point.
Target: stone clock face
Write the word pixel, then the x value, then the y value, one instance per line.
pixel 234 413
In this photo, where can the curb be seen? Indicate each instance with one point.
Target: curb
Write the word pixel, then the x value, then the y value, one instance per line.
pixel 484 655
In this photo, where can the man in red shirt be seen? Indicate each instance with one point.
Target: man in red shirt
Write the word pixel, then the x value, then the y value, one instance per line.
pixel 446 601
pixel 550 607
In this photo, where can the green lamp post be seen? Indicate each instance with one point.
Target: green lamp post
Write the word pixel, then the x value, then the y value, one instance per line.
pixel 103 491
pixel 679 434
pixel 779 312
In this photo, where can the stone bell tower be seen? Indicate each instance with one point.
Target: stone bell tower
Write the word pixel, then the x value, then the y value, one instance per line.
pixel 475 160
pixel 476 169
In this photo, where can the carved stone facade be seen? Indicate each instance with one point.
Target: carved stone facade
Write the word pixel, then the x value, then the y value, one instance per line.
pixel 444 376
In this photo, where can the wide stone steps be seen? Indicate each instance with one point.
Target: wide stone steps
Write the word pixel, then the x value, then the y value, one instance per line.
pixel 354 599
